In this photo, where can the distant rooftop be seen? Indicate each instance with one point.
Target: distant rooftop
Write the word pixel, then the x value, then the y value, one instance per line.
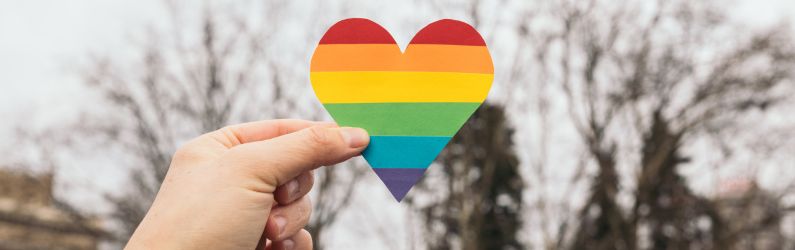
pixel 30 219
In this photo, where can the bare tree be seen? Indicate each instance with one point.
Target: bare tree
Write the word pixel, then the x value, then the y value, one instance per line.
pixel 640 81
pixel 176 88
pixel 205 68
pixel 477 203
pixel 636 82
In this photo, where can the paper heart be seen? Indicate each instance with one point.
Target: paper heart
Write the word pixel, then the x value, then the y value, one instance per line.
pixel 411 103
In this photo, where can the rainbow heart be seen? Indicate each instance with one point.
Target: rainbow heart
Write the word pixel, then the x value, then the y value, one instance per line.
pixel 411 103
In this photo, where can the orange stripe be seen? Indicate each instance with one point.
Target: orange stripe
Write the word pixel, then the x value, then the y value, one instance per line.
pixel 387 57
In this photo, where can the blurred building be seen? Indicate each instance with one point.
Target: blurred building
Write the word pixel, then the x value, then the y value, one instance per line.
pixel 30 219
pixel 752 215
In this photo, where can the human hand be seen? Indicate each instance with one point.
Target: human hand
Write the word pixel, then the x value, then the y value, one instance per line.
pixel 244 186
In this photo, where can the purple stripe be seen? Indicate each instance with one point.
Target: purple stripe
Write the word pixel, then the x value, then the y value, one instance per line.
pixel 399 180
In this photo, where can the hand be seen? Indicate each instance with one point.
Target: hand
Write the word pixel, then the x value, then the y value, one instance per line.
pixel 244 186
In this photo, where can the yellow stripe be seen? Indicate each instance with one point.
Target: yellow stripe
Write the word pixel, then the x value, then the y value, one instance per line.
pixel 385 86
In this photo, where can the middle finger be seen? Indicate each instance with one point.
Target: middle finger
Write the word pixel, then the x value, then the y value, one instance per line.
pixel 294 189
pixel 285 221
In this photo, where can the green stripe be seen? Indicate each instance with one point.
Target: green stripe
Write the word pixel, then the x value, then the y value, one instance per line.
pixel 406 119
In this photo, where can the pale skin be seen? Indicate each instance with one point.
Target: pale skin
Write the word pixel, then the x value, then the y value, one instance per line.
pixel 244 186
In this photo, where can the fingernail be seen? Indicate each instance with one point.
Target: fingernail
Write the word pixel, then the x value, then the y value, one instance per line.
pixel 355 137
pixel 280 222
pixel 288 244
pixel 292 189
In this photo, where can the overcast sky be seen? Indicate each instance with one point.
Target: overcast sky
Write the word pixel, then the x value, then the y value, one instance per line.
pixel 41 41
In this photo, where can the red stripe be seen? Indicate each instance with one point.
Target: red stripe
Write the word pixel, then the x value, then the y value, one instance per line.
pixel 357 31
pixel 448 31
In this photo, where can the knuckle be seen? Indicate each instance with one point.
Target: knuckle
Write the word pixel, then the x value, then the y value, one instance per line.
pixel 310 179
pixel 185 154
pixel 319 136
pixel 305 209
pixel 308 207
pixel 226 136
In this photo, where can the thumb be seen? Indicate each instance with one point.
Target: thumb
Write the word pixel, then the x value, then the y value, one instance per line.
pixel 282 158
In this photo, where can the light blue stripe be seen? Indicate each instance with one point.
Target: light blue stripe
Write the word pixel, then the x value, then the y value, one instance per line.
pixel 403 151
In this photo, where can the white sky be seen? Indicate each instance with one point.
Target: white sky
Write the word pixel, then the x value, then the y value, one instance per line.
pixel 42 40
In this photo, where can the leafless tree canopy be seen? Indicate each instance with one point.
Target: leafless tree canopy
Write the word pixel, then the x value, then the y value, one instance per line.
pixel 197 75
pixel 598 111
pixel 640 81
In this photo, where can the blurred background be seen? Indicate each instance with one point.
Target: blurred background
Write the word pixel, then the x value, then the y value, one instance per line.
pixel 610 125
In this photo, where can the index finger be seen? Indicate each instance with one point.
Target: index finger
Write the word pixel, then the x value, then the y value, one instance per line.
pixel 234 135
